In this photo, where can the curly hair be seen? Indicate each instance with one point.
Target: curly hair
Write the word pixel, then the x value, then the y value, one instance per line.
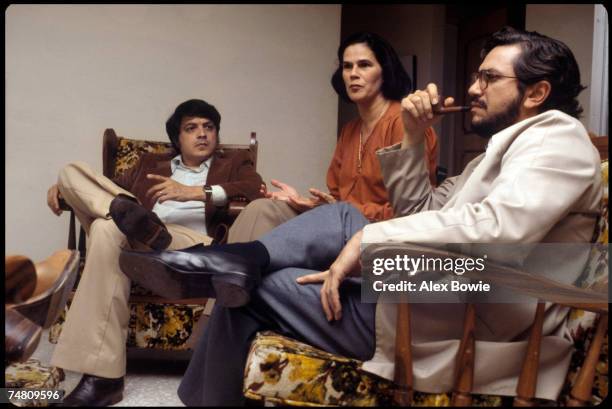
pixel 543 58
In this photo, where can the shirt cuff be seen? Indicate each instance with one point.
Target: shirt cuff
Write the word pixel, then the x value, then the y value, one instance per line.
pixel 219 197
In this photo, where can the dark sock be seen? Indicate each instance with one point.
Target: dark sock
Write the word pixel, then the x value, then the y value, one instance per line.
pixel 254 251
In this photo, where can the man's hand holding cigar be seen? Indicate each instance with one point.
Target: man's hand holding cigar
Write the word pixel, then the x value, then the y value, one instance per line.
pixel 422 109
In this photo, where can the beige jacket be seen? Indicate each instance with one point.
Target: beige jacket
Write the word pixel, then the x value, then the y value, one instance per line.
pixel 538 181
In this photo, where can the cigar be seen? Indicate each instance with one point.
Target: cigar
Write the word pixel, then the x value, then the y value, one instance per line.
pixel 438 110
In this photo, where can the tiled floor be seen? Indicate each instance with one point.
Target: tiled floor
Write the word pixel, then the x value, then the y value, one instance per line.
pixel 149 382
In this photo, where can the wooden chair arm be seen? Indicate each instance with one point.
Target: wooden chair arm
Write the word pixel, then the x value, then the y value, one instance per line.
pixel 19 279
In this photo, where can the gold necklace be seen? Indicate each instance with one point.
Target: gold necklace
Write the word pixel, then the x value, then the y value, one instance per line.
pixel 360 151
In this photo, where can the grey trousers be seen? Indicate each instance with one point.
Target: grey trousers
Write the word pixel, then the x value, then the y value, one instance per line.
pixel 305 244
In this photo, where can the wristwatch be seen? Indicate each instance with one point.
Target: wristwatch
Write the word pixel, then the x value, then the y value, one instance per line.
pixel 207 192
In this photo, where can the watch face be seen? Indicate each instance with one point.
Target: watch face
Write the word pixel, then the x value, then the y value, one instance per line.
pixel 208 192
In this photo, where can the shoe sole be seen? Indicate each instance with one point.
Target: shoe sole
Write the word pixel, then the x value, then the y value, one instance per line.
pixel 103 403
pixel 230 289
pixel 112 401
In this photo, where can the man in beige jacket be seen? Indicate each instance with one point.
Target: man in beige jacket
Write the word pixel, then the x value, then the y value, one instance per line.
pixel 538 181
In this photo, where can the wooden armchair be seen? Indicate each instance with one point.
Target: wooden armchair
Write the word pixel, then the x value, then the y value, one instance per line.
pixel 287 372
pixel 155 322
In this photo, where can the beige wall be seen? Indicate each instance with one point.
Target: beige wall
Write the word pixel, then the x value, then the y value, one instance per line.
pixel 572 24
pixel 74 70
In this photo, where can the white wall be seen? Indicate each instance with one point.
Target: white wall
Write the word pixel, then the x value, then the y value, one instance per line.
pixel 572 24
pixel 74 70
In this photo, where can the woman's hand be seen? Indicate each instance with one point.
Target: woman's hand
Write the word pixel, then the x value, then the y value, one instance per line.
pixel 300 203
pixel 286 191
pixel 53 197
pixel 345 265
pixel 169 189
pixel 322 196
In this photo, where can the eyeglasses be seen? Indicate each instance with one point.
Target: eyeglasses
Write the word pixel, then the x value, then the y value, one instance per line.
pixel 485 76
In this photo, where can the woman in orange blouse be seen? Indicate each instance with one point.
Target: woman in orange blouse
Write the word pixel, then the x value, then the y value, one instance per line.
pixel 371 76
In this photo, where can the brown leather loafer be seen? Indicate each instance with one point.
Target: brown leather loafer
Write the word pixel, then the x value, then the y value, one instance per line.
pixel 138 223
pixel 95 391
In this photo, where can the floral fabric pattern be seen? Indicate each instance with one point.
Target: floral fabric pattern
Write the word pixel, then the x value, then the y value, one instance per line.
pixel 129 150
pixel 152 325
pixel 31 374
pixel 284 371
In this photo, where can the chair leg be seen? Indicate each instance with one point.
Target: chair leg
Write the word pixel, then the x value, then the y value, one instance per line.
pixel 580 394
pixel 403 357
pixel 464 367
pixel 528 378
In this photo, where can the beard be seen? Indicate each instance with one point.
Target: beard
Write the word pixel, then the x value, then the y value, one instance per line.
pixel 491 125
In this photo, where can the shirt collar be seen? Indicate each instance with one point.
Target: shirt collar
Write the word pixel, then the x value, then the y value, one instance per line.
pixel 177 162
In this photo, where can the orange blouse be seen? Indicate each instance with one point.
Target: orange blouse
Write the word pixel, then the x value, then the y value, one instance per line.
pixel 364 188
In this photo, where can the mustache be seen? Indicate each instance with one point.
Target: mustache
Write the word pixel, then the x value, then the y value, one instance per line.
pixel 477 103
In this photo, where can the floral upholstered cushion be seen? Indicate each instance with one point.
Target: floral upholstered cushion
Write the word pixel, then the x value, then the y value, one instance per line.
pixel 129 150
pixel 152 325
pixel 596 273
pixel 284 371
pixel 162 326
pixel 32 374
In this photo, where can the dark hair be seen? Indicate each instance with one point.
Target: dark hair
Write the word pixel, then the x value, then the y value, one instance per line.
pixel 543 58
pixel 192 107
pixel 396 82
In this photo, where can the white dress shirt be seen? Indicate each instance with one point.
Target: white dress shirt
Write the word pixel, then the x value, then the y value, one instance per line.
pixel 190 214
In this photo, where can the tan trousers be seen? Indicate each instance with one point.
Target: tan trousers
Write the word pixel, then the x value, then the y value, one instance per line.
pixel 259 217
pixel 94 335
